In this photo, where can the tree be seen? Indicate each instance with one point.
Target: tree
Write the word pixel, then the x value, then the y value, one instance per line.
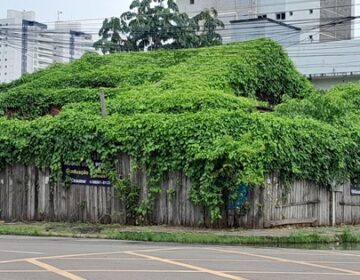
pixel 211 23
pixel 158 24
pixel 111 36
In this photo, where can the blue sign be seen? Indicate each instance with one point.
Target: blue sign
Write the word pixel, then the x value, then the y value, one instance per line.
pixel 241 197
pixel 80 175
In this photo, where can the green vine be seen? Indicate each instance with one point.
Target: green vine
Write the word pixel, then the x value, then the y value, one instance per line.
pixel 190 111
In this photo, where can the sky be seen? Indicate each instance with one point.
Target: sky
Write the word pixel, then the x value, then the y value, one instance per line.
pixel 46 10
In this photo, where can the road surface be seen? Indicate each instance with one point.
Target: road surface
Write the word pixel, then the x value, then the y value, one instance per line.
pixel 77 259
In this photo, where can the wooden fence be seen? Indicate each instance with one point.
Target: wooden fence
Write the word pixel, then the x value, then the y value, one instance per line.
pixel 26 195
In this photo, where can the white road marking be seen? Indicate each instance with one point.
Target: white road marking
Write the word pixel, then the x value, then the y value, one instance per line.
pixel 55 270
pixel 188 266
pixel 283 260
pixel 21 252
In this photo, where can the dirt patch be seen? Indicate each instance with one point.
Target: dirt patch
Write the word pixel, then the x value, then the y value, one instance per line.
pixel 86 229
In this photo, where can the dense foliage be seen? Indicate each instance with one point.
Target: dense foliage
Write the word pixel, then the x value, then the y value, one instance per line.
pixel 186 110
pixel 158 24
pixel 258 69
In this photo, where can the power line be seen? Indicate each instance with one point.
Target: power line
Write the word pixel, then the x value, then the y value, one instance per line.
pixel 245 8
pixel 227 10
pixel 230 32
pixel 316 26
pixel 341 21
pixel 302 66
pixel 66 42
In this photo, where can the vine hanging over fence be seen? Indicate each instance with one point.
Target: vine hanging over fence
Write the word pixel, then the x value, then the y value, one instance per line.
pixel 193 111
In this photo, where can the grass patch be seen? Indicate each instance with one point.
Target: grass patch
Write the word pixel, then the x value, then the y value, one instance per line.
pixel 348 236
pixel 187 236
pixel 19 230
pixel 210 238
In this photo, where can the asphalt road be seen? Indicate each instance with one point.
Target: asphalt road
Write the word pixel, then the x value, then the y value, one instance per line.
pixel 77 259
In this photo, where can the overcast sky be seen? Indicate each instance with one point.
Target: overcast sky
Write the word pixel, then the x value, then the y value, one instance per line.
pixel 46 10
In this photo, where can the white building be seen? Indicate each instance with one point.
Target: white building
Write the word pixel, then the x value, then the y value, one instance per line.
pixel 316 18
pixel 27 45
pixel 16 44
pixel 70 43
pixel 249 29
pixel 328 63
pixel 320 36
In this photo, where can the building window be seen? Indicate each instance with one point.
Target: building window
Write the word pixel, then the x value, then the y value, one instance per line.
pixel 311 38
pixel 291 14
pixel 281 16
pixel 311 11
pixel 192 2
pixel 262 16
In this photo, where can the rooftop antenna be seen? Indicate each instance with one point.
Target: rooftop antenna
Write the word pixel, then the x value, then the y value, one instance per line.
pixel 58 15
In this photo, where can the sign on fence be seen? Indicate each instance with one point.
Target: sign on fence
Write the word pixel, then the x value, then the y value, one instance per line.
pixel 241 197
pixel 80 175
pixel 355 187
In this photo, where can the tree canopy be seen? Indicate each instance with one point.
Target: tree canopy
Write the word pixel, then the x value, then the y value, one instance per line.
pixel 158 24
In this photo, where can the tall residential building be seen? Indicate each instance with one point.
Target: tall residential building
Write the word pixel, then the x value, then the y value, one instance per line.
pixel 319 20
pixel 319 35
pixel 27 45
pixel 17 33
pixel 70 43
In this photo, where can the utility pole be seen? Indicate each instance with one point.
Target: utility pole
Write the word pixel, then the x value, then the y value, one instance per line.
pixel 103 104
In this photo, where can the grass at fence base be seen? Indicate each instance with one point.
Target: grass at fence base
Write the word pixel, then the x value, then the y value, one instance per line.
pixel 341 235
pixel 196 238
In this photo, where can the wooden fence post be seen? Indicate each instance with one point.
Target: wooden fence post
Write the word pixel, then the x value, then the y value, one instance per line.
pixel 103 104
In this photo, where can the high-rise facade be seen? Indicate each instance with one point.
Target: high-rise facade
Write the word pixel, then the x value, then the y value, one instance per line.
pixel 27 45
pixel 320 36
pixel 319 20
pixel 69 42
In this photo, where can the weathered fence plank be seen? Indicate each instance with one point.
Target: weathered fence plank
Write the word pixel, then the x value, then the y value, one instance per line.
pixel 26 194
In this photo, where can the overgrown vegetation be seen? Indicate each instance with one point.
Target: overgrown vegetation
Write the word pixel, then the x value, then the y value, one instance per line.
pixel 186 110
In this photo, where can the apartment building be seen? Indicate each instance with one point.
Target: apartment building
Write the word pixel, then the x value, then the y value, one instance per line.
pixel 319 20
pixel 69 42
pixel 27 45
pixel 320 36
